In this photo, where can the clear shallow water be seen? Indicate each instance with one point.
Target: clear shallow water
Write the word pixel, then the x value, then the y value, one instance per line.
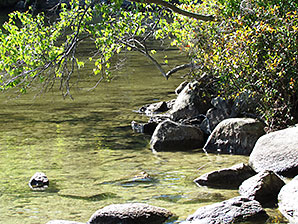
pixel 90 154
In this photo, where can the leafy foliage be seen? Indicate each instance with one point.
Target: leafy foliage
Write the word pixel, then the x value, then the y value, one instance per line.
pixel 250 47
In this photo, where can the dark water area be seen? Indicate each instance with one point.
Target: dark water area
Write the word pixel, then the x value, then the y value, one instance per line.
pixel 90 154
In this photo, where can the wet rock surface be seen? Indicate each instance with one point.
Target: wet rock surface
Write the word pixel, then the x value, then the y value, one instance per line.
pixel 263 187
pixel 277 151
pixel 230 178
pixel 130 213
pixel 234 210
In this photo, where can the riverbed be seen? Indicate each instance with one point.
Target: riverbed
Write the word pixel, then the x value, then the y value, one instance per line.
pixel 88 151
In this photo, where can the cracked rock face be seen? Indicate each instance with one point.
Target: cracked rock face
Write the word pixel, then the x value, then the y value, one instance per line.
pixel 288 200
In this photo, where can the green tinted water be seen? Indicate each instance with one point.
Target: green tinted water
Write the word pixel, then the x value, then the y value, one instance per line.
pixel 89 152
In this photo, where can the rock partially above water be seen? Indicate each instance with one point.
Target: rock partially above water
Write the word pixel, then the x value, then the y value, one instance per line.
pixel 235 136
pixel 234 210
pixel 39 181
pixel 277 151
pixel 188 103
pixel 263 187
pixel 288 200
pixel 171 136
pixel 230 177
pixel 130 213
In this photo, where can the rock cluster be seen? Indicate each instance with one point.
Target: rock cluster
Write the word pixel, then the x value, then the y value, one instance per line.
pixel 186 122
pixel 221 126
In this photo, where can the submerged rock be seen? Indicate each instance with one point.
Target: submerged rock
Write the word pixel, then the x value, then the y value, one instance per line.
pixel 235 136
pixel 263 187
pixel 171 136
pixel 288 200
pixel 231 177
pixel 130 213
pixel 234 210
pixel 39 181
pixel 277 151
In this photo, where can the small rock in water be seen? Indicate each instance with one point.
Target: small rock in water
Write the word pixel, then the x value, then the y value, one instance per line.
pixel 39 181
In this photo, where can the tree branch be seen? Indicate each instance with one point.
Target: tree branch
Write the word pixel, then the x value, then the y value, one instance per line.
pixel 177 10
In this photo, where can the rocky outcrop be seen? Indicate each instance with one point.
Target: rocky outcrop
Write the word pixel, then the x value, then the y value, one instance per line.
pixel 263 187
pixel 234 210
pixel 288 200
pixel 226 178
pixel 235 136
pixel 130 213
pixel 277 151
pixel 63 222
pixel 171 136
pixel 39 181
pixel 188 103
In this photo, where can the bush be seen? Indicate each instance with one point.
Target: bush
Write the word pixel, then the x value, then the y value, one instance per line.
pixel 251 47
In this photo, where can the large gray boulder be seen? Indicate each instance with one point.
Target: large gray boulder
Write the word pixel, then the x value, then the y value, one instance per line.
pixel 130 213
pixel 231 177
pixel 277 151
pixel 63 222
pixel 238 209
pixel 288 200
pixel 235 136
pixel 263 187
pixel 171 136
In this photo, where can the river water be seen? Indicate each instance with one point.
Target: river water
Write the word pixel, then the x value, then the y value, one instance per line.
pixel 89 152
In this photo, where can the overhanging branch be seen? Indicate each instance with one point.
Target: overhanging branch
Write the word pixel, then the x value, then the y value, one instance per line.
pixel 177 10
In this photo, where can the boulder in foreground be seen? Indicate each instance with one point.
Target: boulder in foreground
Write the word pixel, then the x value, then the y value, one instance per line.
pixel 277 151
pixel 130 213
pixel 238 209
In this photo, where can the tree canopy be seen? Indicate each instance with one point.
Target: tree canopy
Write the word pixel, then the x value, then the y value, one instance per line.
pixel 233 46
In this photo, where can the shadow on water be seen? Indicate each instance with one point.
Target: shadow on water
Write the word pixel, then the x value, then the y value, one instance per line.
pixel 96 197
